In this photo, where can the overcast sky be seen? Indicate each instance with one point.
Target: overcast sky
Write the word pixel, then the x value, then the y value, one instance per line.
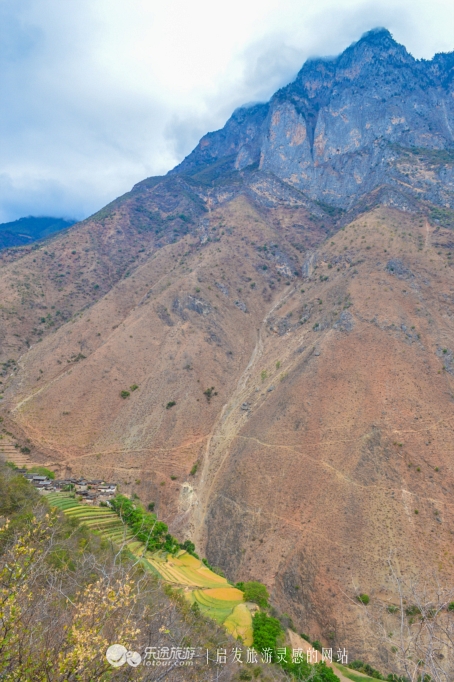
pixel 98 94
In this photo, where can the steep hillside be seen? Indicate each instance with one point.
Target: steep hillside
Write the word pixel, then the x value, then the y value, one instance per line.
pixel 343 458
pixel 185 320
pixel 266 356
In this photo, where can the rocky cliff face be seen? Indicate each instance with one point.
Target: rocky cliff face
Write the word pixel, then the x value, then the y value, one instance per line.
pixel 339 130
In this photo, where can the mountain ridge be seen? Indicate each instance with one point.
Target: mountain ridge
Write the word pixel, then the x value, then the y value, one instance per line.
pixel 28 229
pixel 334 123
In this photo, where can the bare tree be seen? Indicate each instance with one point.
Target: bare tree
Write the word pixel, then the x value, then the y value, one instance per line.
pixel 415 631
pixel 64 602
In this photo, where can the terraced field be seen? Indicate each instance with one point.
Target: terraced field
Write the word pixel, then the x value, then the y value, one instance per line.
pixel 215 597
pixel 222 604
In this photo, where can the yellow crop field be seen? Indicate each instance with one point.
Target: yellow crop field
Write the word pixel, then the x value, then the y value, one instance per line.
pixel 227 593
pixel 188 560
pixel 204 570
pixel 239 624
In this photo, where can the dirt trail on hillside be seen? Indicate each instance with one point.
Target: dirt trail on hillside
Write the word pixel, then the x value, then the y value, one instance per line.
pixel 428 234
pixel 227 426
pixel 297 642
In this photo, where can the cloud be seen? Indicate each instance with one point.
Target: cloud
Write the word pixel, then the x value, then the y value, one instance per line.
pixel 98 94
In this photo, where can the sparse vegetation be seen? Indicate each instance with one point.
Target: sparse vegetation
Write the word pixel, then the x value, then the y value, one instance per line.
pixel 363 598
pixel 442 216
pixel 125 394
pixel 209 393
pixel 170 404
pixel 366 669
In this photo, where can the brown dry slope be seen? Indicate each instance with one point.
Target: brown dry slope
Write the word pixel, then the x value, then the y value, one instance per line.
pixel 329 423
pixel 345 456
pixel 184 320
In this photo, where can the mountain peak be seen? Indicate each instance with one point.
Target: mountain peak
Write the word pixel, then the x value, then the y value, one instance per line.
pixel 378 33
pixel 331 132
pixel 377 40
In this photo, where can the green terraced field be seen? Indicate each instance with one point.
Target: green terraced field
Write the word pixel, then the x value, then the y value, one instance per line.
pixel 61 500
pixel 211 592
pixel 137 548
pixel 118 529
pixel 99 519
pixel 91 512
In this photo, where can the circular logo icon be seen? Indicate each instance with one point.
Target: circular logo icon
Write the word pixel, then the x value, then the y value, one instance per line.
pixel 116 655
pixel 133 658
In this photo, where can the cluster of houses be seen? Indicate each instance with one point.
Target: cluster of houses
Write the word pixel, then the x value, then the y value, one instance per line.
pixel 89 491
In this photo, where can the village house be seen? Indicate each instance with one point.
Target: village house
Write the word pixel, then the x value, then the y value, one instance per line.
pixel 93 491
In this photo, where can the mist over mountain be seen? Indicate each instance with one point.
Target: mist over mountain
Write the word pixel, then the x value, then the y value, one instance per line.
pixel 336 132
pixel 282 303
pixel 31 228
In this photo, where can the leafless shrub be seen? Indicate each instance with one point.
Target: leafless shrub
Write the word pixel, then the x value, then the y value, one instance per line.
pixel 415 631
